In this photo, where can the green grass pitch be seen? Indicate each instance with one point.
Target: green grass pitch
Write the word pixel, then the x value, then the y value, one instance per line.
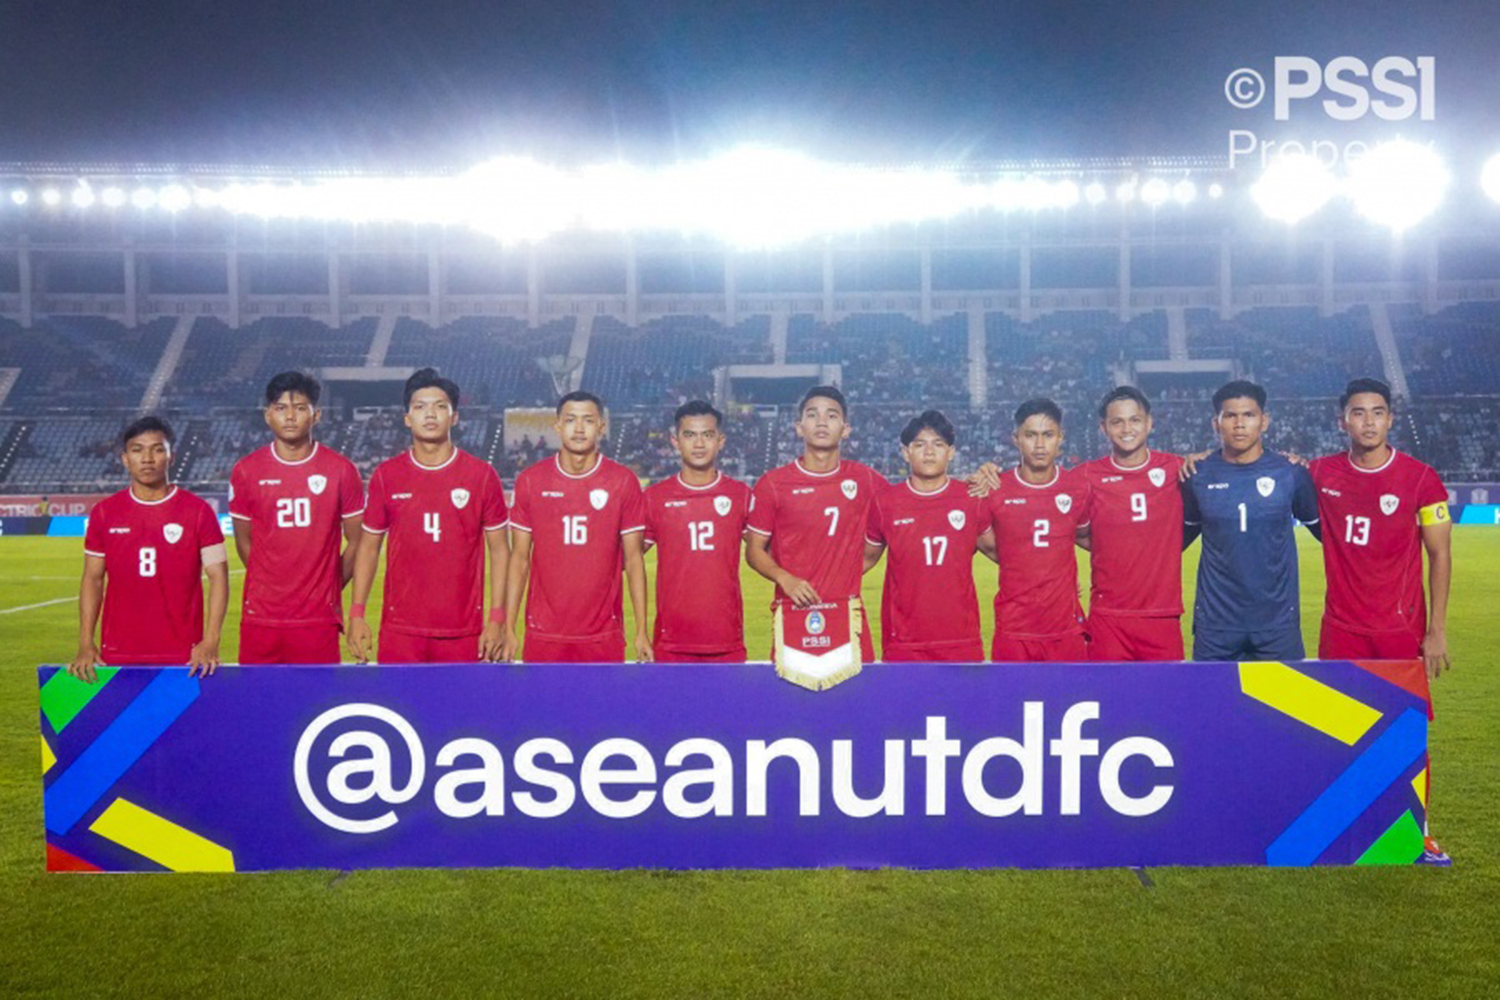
pixel 1212 932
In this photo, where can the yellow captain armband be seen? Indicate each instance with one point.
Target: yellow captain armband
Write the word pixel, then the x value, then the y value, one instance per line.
pixel 1436 513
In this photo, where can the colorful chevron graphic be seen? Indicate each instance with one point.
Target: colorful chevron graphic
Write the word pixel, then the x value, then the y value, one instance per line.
pixel 1383 763
pixel 74 794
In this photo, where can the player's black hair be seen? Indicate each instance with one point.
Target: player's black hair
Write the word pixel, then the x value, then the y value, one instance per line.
pixel 579 396
pixel 428 378
pixel 1042 407
pixel 696 408
pixel 286 382
pixel 1120 392
pixel 929 420
pixel 146 425
pixel 823 392
pixel 1360 385
pixel 1239 389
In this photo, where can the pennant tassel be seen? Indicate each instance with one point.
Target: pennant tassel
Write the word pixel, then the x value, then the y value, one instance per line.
pixel 818 646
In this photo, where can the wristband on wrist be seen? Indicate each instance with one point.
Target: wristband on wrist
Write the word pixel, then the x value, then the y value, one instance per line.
pixel 356 611
pixel 497 615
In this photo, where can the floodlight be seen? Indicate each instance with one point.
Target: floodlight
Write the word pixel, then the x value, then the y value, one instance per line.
pixel 113 197
pixel 1155 192
pixel 52 197
pixel 1293 187
pixel 1094 193
pixel 1216 190
pixel 143 198
pixel 1184 191
pixel 19 196
pixel 1490 178
pixel 174 198
pixel 1126 192
pixel 83 196
pixel 1398 183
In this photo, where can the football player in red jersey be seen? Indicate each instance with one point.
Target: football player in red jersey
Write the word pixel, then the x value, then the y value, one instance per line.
pixel 696 520
pixel 1039 512
pixel 931 527
pixel 1135 538
pixel 444 510
pixel 293 502
pixel 1380 509
pixel 146 551
pixel 578 522
pixel 808 517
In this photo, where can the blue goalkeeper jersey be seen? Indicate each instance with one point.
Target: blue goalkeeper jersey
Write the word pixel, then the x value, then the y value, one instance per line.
pixel 1247 570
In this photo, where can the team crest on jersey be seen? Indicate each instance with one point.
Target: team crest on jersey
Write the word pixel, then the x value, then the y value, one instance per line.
pixel 957 519
pixel 1388 504
pixel 1064 502
pixel 317 484
pixel 722 505
pixel 1158 477
pixel 598 498
pixel 172 533
pixel 1266 485
pixel 460 498
pixel 815 623
pixel 850 488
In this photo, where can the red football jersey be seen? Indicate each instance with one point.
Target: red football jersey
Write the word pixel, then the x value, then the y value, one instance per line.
pixel 1034 536
pixel 296 512
pixel 1372 540
pixel 1135 537
pixel 698 531
pixel 153 574
pixel 436 517
pixel 930 540
pixel 577 556
pixel 817 523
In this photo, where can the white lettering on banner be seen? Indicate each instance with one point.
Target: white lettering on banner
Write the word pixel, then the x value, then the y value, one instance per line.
pixel 621 779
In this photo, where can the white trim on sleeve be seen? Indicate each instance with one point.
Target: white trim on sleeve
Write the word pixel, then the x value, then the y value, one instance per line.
pixel 373 531
pixel 751 527
pixel 91 552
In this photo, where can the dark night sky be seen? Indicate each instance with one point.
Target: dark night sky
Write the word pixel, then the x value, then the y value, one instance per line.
pixel 380 84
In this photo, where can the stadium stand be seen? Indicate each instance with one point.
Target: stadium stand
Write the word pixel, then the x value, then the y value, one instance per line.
pixel 93 371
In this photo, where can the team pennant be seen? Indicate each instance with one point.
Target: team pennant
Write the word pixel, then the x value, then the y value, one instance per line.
pixel 817 647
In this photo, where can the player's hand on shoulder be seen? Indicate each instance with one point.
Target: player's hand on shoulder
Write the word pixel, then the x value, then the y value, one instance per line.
pixel 984 480
pixel 358 636
pixel 1189 467
pixel 84 663
pixel 204 658
pixel 1295 459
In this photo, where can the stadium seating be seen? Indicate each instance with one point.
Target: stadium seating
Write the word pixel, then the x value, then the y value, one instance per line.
pixel 225 367
pixel 81 361
pixel 1452 353
pixel 494 360
pixel 670 360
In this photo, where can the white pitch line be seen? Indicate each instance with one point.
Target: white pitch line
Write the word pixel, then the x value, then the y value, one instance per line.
pixel 33 607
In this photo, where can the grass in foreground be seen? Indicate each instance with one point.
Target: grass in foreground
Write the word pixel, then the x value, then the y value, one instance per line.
pixel 1350 932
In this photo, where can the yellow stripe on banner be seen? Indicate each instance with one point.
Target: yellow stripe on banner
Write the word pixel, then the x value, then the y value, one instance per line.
pixel 1308 701
pixel 1419 785
pixel 160 840
pixel 48 757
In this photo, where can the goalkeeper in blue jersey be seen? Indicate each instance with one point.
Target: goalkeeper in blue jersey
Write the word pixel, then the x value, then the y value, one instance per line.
pixel 1243 500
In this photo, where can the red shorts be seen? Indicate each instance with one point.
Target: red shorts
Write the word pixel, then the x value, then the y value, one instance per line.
pixel 971 651
pixel 1335 642
pixel 606 648
pixel 1125 638
pixel 403 647
pixel 1069 648
pixel 114 658
pixel 295 644
pixel 674 656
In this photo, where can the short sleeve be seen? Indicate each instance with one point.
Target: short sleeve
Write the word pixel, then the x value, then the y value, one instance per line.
pixel 650 510
pixel 241 497
pixel 762 517
pixel 1430 490
pixel 873 533
pixel 209 532
pixel 95 532
pixel 520 508
pixel 633 509
pixel 1304 496
pixel 1086 506
pixel 351 492
pixel 495 514
pixel 377 511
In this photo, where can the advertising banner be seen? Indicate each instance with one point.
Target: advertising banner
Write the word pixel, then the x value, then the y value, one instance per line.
pixel 726 766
